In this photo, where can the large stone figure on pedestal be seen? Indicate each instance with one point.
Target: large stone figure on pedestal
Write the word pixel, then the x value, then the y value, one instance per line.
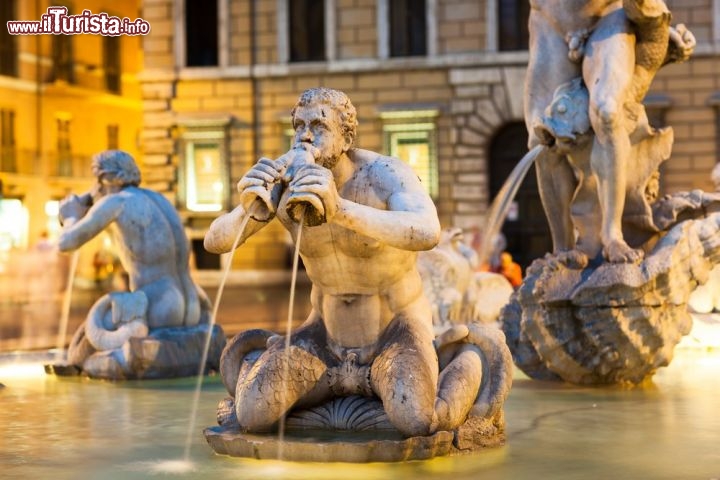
pixel 610 303
pixel 368 348
pixel 158 328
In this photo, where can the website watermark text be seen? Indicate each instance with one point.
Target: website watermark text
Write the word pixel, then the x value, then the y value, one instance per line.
pixel 57 21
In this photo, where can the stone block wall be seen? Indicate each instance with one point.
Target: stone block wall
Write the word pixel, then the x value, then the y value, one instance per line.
pixel 461 26
pixel 475 97
pixel 157 48
pixel 696 14
pixel 357 29
pixel 239 38
pixel 690 88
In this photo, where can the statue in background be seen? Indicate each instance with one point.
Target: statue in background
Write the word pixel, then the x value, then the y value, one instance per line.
pixel 611 302
pixel 370 332
pixel 158 328
pixel 607 51
pixel 457 291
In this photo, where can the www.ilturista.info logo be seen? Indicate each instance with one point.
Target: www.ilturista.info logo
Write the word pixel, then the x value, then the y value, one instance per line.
pixel 57 22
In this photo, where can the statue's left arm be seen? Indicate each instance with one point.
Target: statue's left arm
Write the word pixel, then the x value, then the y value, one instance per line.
pixel 409 223
pixel 77 232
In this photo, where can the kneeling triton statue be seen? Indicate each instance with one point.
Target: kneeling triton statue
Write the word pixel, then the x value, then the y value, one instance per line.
pixel 370 332
pixel 158 329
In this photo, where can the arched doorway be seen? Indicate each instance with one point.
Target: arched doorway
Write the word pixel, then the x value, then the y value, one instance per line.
pixel 526 229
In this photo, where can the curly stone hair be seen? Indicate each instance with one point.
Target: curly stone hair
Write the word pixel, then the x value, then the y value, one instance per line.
pixel 337 100
pixel 118 165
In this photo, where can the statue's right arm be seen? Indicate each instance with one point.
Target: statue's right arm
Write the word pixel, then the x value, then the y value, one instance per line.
pixel 78 232
pixel 260 192
pixel 224 230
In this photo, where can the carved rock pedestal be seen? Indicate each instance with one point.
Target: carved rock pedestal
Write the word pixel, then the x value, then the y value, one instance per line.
pixel 612 323
pixel 355 427
pixel 350 429
pixel 165 353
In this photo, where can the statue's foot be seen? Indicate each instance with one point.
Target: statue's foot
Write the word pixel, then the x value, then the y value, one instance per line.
pixel 617 251
pixel 573 259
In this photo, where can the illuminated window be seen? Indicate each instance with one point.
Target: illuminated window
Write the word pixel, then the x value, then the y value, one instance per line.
pixel 205 189
pixel 203 179
pixel 410 136
pixel 13 224
pixel 52 221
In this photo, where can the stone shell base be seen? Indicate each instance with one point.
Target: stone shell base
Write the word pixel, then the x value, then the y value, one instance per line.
pixel 612 323
pixel 328 446
pixel 353 429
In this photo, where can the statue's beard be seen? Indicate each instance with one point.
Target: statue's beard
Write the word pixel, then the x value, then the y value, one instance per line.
pixel 328 162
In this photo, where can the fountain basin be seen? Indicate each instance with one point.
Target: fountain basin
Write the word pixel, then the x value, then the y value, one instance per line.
pixel 72 427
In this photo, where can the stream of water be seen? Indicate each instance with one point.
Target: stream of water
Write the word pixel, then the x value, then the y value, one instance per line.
pixel 66 303
pixel 208 337
pixel 288 329
pixel 501 204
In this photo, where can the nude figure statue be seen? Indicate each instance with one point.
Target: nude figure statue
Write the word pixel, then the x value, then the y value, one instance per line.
pixel 153 249
pixel 616 47
pixel 370 331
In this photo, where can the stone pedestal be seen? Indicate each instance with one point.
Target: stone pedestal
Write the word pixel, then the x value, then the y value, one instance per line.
pixel 165 353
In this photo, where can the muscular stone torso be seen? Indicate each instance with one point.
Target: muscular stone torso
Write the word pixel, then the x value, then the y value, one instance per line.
pixel 359 284
pixel 136 231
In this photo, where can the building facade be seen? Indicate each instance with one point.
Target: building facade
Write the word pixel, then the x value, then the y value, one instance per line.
pixel 436 82
pixel 63 98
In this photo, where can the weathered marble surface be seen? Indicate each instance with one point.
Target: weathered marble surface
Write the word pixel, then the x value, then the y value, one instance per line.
pixel 606 54
pixel 612 323
pixel 610 304
pixel 370 332
pixel 157 329
pixel 331 447
pixel 164 353
pixel 457 292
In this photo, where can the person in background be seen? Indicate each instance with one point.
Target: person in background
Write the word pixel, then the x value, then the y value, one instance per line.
pixel 510 270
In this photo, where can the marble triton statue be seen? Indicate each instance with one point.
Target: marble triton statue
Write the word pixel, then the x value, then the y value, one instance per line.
pixel 158 328
pixel 370 332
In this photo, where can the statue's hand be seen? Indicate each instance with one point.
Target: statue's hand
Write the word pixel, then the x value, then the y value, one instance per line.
pixel 263 173
pixel 682 43
pixel 73 208
pixel 315 185
pixel 258 184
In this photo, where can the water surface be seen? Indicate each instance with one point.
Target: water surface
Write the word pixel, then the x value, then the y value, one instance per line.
pixel 75 428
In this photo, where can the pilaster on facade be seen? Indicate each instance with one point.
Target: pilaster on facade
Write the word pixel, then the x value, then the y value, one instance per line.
pixel 491 25
pixel 483 101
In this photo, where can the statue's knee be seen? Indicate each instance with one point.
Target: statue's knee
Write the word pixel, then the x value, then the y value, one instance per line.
pixel 409 400
pixel 411 420
pixel 252 412
pixel 605 115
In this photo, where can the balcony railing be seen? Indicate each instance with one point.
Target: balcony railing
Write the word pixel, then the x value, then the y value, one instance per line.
pixel 26 162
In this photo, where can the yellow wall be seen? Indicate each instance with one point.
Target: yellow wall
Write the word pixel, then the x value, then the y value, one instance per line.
pixel 38 102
